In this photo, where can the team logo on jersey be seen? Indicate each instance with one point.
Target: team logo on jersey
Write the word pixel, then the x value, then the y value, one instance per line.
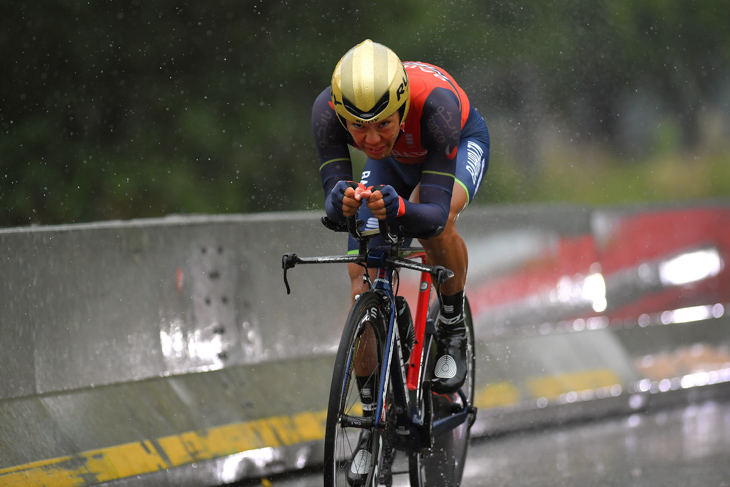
pixel 475 162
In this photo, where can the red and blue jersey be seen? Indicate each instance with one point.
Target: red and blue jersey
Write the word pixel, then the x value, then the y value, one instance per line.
pixel 439 117
pixel 423 79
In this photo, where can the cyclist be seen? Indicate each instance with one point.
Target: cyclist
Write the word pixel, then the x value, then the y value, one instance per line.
pixel 427 151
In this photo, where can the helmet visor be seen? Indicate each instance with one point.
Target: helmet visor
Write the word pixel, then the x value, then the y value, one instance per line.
pixel 365 115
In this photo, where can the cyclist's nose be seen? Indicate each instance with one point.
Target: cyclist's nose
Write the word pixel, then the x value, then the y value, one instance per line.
pixel 372 136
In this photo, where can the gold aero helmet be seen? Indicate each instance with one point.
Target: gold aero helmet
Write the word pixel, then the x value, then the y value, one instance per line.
pixel 369 84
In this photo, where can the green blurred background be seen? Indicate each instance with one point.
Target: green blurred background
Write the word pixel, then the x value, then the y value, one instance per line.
pixel 134 109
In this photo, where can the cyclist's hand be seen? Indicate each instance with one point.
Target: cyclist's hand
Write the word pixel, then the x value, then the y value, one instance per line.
pixel 385 202
pixel 346 197
pixel 361 192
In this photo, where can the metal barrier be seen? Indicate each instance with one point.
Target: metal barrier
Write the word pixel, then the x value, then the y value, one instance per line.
pixel 168 349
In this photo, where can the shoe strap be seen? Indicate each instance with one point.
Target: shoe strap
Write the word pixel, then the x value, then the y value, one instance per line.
pixel 451 321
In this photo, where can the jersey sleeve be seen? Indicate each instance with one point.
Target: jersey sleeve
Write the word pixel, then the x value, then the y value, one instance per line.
pixel 440 135
pixel 331 140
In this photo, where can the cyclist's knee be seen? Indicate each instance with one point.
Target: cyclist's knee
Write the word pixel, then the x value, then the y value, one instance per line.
pixel 459 202
pixel 443 240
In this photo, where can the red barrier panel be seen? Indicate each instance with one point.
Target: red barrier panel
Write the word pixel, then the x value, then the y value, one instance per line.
pixel 631 266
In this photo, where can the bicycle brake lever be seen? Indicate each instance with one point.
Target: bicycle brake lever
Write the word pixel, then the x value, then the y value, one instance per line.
pixel 288 261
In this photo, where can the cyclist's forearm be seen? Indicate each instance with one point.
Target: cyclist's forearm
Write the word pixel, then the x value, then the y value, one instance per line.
pixel 331 141
pixel 423 220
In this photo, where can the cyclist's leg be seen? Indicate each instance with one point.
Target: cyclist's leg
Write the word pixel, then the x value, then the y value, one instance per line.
pixel 448 249
pixel 365 360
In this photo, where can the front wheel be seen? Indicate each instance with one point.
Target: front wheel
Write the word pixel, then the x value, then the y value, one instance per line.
pixel 443 465
pixel 360 353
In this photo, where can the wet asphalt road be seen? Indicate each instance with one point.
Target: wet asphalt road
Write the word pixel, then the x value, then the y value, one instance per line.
pixel 685 447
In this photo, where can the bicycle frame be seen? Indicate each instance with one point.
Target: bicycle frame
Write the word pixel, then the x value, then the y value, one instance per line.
pixel 405 377
pixel 415 427
pixel 419 324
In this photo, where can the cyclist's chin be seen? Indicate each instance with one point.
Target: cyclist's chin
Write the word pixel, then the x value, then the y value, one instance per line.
pixel 378 154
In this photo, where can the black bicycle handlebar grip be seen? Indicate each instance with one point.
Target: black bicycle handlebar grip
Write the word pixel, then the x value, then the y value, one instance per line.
pixel 333 225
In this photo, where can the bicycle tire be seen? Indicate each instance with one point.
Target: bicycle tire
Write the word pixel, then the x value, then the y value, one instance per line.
pixel 341 437
pixel 443 465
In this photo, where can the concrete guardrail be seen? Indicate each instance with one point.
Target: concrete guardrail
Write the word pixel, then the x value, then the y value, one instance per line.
pixel 167 350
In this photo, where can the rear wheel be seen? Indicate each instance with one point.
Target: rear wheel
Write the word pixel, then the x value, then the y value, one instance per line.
pixel 443 465
pixel 361 348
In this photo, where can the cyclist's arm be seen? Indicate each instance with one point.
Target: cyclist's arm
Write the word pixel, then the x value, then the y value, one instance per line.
pixel 440 134
pixel 331 140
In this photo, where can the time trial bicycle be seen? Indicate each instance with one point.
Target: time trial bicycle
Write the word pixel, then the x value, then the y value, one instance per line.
pixel 432 430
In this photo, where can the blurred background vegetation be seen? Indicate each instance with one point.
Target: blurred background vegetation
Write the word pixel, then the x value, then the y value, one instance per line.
pixel 134 109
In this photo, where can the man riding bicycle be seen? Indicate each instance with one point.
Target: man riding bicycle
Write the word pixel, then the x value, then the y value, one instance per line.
pixel 427 151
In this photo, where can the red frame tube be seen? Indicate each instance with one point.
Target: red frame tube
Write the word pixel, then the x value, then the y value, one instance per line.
pixel 419 326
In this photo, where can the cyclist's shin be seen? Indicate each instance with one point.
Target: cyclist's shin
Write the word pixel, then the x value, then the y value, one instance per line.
pixel 367 394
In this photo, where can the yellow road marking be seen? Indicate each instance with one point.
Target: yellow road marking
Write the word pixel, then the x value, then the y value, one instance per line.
pixel 555 385
pixel 122 461
pixel 142 457
pixel 497 394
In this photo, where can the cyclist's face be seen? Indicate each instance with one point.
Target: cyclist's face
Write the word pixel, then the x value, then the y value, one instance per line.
pixel 376 139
